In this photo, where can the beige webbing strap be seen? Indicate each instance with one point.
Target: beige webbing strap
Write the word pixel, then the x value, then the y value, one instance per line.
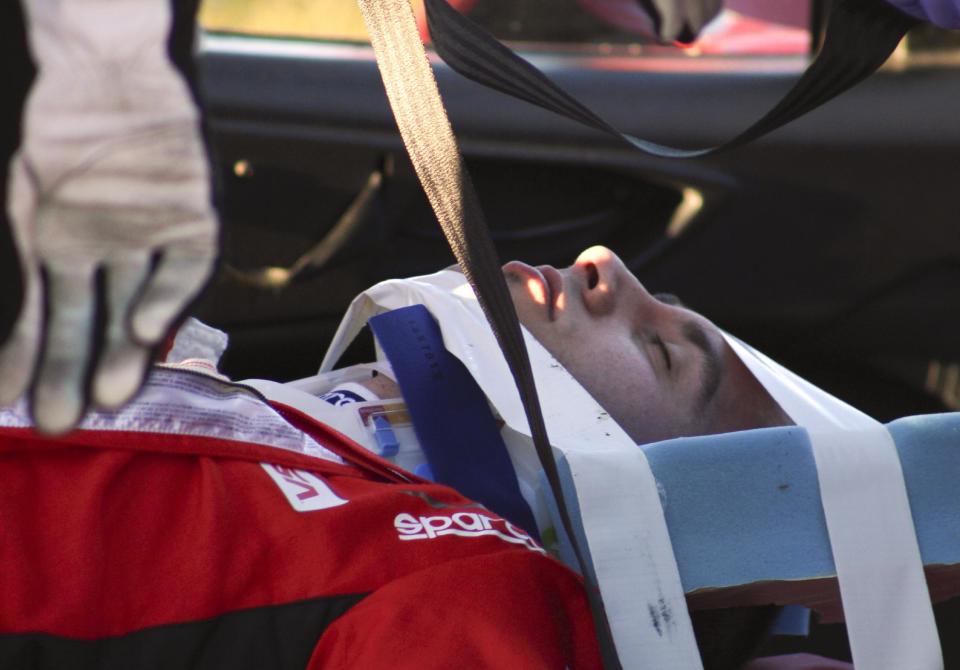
pixel 428 137
pixel 631 590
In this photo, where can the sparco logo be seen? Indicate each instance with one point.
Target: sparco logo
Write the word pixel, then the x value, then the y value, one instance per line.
pixel 462 524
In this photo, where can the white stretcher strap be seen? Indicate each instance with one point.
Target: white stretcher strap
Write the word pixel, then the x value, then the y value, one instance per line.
pixel 886 603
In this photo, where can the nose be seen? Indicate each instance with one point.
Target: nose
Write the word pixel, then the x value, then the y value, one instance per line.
pixel 606 281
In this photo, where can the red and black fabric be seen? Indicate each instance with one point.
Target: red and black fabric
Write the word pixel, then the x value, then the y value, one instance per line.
pixel 139 550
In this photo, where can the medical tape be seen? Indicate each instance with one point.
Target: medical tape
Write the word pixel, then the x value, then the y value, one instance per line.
pixel 886 604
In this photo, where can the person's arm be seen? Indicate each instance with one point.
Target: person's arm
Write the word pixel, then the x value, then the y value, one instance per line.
pixel 943 13
pixel 505 610
pixel 111 177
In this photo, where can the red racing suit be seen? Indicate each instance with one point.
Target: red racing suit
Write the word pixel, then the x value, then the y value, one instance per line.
pixel 140 549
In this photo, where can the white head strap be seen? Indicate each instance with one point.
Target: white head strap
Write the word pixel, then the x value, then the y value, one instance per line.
pixel 886 604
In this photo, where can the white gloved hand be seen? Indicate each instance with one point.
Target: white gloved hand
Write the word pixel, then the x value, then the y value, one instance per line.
pixel 681 19
pixel 111 176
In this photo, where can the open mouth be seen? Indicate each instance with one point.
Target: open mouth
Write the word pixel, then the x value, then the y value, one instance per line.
pixel 544 284
pixel 553 281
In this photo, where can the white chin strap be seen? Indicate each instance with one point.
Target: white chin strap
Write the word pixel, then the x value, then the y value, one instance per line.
pixel 886 605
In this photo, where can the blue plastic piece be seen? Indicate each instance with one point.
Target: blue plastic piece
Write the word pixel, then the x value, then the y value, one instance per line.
pixel 423 470
pixel 383 433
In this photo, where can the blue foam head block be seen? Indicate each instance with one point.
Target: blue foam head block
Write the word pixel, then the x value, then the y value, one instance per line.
pixel 742 507
pixel 745 507
pixel 929 449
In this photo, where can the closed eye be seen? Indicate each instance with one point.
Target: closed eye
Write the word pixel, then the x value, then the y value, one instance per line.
pixel 657 341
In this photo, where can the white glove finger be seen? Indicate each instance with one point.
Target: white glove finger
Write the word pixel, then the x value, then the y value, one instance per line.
pixel 59 394
pixel 22 210
pixel 18 355
pixel 179 277
pixel 122 365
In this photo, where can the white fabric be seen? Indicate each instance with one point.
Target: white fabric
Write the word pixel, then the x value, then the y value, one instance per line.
pixel 886 603
pixel 343 422
pixel 111 170
pixel 319 384
pixel 616 493
pixel 195 339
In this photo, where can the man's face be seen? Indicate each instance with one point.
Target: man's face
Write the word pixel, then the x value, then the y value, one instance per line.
pixel 659 369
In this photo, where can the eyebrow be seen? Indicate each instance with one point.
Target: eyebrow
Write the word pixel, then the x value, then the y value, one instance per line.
pixel 713 367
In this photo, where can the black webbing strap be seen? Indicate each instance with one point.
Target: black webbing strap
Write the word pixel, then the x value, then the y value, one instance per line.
pixel 428 137
pixel 860 36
